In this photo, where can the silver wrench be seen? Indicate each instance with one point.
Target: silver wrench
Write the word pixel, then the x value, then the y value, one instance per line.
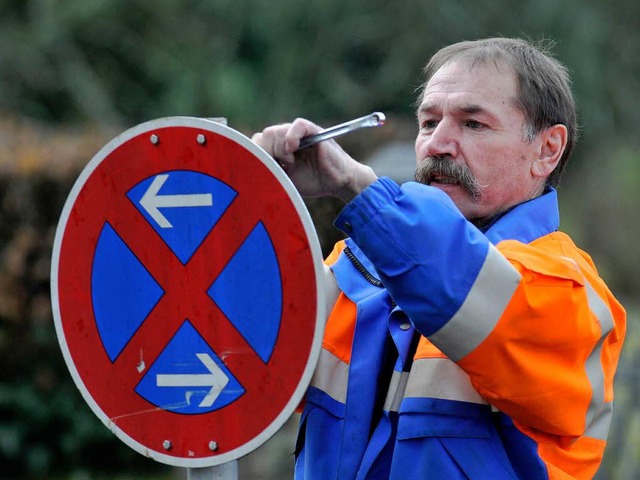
pixel 375 119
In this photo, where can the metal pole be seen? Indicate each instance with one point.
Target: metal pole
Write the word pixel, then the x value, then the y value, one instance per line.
pixel 226 471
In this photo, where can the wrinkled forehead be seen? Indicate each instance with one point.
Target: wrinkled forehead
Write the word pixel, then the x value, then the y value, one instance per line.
pixel 486 55
pixel 475 60
pixel 475 63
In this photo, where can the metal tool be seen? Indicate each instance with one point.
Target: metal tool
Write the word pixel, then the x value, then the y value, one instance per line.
pixel 375 119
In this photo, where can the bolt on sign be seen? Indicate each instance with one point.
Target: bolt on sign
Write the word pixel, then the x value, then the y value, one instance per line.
pixel 187 289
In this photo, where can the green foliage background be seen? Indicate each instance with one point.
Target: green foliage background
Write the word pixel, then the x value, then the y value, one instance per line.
pixel 92 68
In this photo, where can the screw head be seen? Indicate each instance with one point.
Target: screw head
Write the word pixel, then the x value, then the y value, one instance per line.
pixel 166 444
pixel 213 446
pixel 201 139
pixel 154 139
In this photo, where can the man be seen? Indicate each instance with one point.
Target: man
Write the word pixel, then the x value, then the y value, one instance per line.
pixel 471 338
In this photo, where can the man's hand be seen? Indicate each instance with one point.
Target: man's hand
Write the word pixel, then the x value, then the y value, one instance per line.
pixel 322 170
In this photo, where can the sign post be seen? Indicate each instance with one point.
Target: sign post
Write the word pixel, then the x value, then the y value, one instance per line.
pixel 226 471
pixel 188 292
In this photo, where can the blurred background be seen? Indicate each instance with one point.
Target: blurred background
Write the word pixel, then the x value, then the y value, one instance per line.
pixel 76 73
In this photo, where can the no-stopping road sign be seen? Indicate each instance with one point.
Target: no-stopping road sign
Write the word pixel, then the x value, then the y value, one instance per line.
pixel 187 291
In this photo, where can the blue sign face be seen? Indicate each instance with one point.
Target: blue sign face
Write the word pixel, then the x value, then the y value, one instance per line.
pixel 183 207
pixel 188 377
pixel 183 381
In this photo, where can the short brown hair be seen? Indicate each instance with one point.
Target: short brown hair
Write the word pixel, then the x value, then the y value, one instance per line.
pixel 544 87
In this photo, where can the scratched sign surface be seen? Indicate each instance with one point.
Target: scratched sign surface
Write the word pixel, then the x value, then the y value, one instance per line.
pixel 187 291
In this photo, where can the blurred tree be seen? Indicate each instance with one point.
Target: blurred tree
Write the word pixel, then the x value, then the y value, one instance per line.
pixel 120 62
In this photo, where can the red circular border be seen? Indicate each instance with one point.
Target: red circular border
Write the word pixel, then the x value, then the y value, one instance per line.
pixel 112 390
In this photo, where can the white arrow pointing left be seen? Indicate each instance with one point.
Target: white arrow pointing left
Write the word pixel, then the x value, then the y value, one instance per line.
pixel 216 380
pixel 151 201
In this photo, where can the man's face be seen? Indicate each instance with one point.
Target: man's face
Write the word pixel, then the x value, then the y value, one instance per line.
pixel 469 122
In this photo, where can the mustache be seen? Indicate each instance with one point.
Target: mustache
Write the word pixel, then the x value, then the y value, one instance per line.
pixel 432 167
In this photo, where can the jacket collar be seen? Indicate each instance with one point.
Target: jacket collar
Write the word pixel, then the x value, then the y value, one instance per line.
pixel 527 221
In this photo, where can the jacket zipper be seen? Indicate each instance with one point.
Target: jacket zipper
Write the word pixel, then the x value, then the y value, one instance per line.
pixel 361 268
pixel 390 352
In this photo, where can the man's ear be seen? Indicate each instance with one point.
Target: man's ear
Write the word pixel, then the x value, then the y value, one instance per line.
pixel 553 141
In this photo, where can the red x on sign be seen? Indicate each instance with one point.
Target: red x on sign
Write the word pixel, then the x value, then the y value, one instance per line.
pixel 187 291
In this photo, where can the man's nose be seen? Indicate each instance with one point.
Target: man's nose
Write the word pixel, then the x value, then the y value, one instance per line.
pixel 443 140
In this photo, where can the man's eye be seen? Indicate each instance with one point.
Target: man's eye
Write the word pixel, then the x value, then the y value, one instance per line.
pixel 429 124
pixel 473 124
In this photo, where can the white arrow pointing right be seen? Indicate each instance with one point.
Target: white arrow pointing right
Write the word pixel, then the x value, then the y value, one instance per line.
pixel 216 379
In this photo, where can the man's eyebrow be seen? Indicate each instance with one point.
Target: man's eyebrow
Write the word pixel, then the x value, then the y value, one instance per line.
pixel 425 108
pixel 467 108
pixel 473 108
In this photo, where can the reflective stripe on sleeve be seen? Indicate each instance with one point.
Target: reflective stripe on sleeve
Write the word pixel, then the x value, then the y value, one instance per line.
pixel 489 296
pixel 331 376
pixel 599 413
pixel 599 424
pixel 440 378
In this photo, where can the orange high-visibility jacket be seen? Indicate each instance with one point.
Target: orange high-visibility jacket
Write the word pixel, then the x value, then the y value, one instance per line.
pixel 453 353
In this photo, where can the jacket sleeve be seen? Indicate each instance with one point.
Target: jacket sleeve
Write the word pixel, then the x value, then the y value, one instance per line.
pixel 534 327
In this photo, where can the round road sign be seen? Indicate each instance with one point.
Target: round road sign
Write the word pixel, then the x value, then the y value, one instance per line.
pixel 187 291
